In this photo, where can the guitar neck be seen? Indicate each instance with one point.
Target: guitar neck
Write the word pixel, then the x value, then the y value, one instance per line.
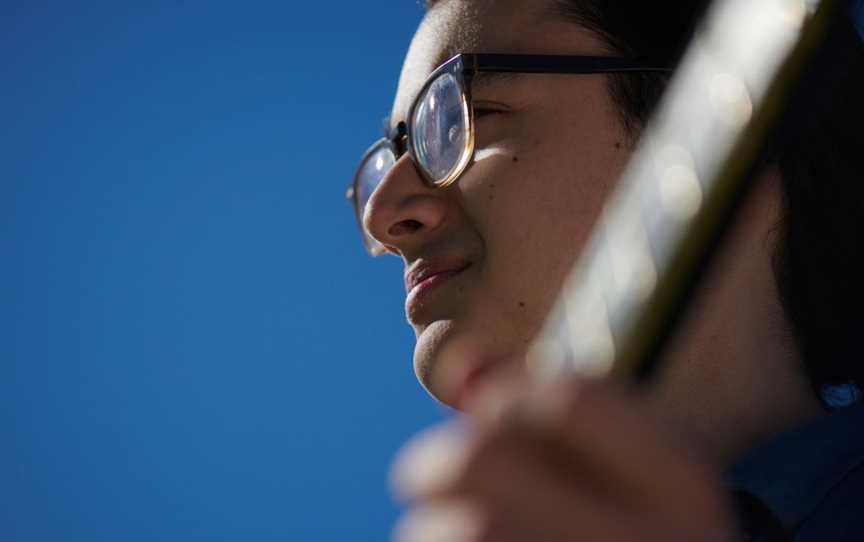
pixel 655 232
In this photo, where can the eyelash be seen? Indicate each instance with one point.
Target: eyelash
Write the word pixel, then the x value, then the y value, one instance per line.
pixel 480 112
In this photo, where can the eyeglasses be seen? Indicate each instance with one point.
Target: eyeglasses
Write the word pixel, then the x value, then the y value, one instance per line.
pixel 439 132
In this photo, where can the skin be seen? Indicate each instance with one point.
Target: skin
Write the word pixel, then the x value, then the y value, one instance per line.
pixel 519 216
pixel 575 459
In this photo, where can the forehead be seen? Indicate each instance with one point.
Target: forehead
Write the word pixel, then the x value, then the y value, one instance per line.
pixel 489 26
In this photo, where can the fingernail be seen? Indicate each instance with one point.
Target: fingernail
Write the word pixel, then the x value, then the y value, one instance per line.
pixel 429 462
pixel 437 523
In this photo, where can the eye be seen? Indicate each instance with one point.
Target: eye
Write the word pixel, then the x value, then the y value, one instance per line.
pixel 482 110
pixel 480 113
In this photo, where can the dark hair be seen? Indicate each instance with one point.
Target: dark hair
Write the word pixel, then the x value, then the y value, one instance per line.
pixel 639 30
pixel 819 261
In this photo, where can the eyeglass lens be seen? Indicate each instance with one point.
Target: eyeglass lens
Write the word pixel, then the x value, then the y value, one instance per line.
pixel 439 131
pixel 440 127
pixel 369 176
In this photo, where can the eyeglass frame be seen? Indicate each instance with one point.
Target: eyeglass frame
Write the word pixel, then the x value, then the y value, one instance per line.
pixel 399 138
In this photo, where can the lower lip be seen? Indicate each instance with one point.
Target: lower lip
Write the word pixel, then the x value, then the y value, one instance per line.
pixel 427 285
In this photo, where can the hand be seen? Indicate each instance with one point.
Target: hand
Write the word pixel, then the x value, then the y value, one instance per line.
pixel 568 461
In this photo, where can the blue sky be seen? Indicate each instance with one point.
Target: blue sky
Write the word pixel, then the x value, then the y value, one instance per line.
pixel 194 345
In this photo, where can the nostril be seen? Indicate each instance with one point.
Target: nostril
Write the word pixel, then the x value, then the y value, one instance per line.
pixel 405 227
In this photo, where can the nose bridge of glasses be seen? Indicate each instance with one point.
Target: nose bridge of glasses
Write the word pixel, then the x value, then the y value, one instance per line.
pixel 398 137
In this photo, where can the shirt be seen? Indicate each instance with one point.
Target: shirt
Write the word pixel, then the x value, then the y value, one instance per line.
pixel 807 484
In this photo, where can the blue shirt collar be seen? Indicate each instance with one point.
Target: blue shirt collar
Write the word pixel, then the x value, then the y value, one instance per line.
pixel 792 473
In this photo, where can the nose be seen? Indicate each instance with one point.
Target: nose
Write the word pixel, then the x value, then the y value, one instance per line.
pixel 404 213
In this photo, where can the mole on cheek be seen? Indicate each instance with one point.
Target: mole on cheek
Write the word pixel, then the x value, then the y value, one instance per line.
pixel 515 159
pixel 521 304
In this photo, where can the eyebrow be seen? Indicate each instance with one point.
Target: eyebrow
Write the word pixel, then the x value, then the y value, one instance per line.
pixel 490 78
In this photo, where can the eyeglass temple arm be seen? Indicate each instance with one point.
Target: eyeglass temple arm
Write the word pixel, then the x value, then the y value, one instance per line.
pixel 482 62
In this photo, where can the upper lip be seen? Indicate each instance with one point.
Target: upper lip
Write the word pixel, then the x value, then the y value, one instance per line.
pixel 424 268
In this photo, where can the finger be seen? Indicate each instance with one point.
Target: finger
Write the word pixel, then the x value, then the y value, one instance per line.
pixel 518 489
pixel 510 493
pixel 454 521
pixel 501 466
pixel 430 463
pixel 445 459
pixel 450 460
pixel 602 430
pixel 507 492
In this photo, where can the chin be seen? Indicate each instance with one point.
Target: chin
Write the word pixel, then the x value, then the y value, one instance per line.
pixel 444 356
pixel 448 357
pixel 434 359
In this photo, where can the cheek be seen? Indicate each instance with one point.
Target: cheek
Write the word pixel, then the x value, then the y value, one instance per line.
pixel 576 161
pixel 536 196
pixel 555 193
pixel 539 210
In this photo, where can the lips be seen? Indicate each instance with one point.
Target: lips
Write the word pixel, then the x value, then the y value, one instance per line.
pixel 428 274
pixel 424 272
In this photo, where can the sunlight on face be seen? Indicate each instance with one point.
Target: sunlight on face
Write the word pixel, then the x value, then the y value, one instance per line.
pixel 511 227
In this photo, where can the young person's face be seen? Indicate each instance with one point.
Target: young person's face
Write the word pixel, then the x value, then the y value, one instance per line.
pixel 546 158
